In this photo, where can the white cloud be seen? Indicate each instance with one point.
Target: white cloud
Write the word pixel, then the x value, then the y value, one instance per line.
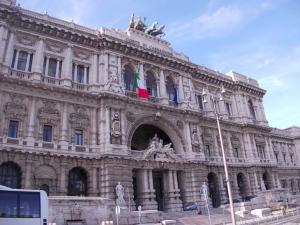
pixel 207 25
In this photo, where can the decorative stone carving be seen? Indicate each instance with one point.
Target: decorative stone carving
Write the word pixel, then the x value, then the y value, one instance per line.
pixel 195 140
pixel 179 124
pixel 15 109
pixel 159 152
pixel 113 83
pixel 48 114
pixel 79 119
pixel 115 131
pixel 81 54
pixel 26 39
pixel 76 211
pixel 130 116
pixel 54 47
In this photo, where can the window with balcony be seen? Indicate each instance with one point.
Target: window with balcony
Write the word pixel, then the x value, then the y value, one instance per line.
pixel 171 89
pixel 236 152
pixel 228 108
pixel 52 67
pixel 78 137
pixel 207 151
pixel 128 77
pixel 13 127
pixel 261 151
pixel 80 73
pixel 47 133
pixel 22 60
pixel 151 84
pixel 251 109
pixel 200 101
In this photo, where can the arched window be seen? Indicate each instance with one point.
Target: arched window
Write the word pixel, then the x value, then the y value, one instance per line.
pixel 128 77
pixel 251 109
pixel 77 185
pixel 151 84
pixel 10 175
pixel 171 90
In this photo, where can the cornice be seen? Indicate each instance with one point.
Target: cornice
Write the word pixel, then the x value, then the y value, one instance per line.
pixel 59 29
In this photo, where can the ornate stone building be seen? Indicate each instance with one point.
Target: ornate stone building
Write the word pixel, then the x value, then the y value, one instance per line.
pixel 71 123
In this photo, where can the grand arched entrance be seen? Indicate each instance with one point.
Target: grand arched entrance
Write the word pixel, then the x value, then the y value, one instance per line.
pixel 155 187
pixel 214 192
pixel 241 181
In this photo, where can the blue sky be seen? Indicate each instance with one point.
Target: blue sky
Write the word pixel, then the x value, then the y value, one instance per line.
pixel 258 38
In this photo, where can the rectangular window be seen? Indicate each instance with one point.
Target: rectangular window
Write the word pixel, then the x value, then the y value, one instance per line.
pixel 78 137
pixel 30 62
pixel 47 133
pixel 22 60
pixel 20 204
pixel 13 129
pixel 228 108
pixel 80 74
pixel 52 65
pixel 261 151
pixel 207 150
pixel 9 203
pixel 200 101
pixel 29 205
pixel 236 152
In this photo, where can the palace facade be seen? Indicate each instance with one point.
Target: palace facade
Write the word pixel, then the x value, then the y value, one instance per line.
pixel 72 124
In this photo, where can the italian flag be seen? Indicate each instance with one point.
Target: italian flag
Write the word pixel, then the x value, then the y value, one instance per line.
pixel 139 86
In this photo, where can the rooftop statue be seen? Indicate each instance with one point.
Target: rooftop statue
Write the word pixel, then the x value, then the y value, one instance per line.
pixel 140 25
pixel 131 23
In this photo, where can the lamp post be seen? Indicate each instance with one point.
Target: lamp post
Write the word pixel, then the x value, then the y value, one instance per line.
pixel 217 114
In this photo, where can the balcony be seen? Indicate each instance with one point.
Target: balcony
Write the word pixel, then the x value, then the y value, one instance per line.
pixel 18 74
pixel 51 81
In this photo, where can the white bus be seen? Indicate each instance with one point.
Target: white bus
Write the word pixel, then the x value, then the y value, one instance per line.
pixel 23 207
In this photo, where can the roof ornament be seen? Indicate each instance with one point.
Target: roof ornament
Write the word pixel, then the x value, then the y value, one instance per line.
pixel 140 25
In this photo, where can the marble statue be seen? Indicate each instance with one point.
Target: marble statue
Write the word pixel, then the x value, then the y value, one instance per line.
pixel 131 23
pixel 120 194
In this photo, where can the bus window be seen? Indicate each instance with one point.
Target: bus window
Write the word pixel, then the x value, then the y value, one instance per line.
pixel 29 205
pixel 8 204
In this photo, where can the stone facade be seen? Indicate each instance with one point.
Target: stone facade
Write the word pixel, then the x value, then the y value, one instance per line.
pixel 71 80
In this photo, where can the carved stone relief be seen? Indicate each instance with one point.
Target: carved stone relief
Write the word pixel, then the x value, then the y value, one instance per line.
pixel 115 131
pixel 79 119
pixel 49 115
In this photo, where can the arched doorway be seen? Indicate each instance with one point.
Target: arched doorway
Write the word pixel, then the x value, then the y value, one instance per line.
pixel 267 180
pixel 144 133
pixel 241 181
pixel 10 175
pixel 77 182
pixel 214 192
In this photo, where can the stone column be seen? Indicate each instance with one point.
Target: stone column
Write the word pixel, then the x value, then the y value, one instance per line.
pixel 105 68
pixel 64 128
pixel 28 174
pixel 162 87
pixel 38 58
pixel 145 196
pixel 31 123
pixel 3 35
pixel 142 77
pixel 67 67
pixel 94 180
pixel 257 188
pixel 107 125
pixel 94 127
pixel 278 181
pixel 188 139
pixel 172 192
pixel 63 182
pixel 181 92
pixel 94 69
pixel 10 49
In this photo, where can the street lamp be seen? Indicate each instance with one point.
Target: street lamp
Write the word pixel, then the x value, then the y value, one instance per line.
pixel 217 114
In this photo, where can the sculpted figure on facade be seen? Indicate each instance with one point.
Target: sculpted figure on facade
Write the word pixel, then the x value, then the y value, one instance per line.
pixel 131 23
pixel 115 130
pixel 158 151
pixel 113 83
pixel 195 140
pixel 120 195
pixel 48 114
